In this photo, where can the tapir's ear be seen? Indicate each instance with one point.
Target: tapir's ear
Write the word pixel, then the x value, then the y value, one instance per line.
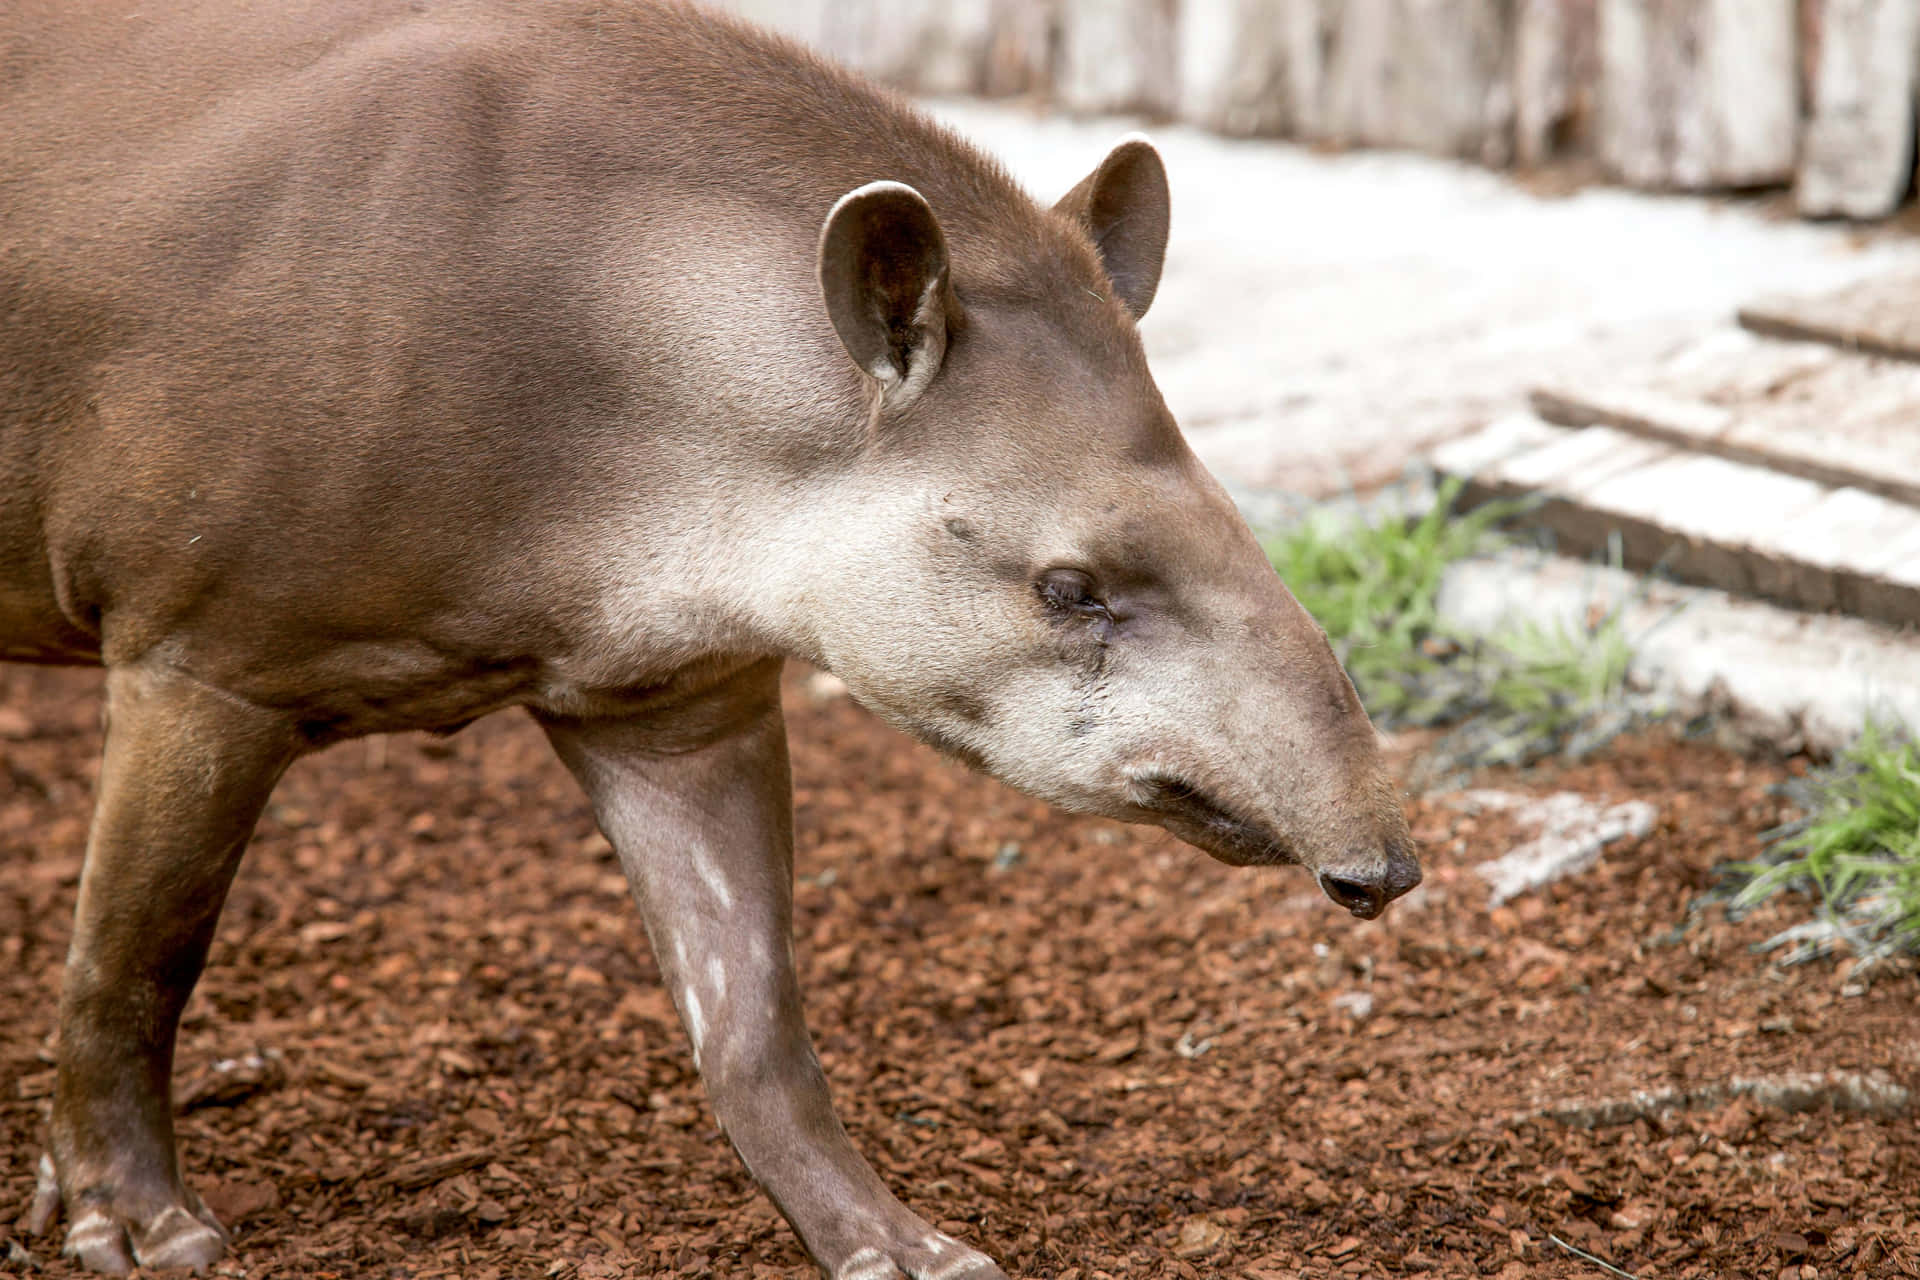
pixel 883 273
pixel 1124 206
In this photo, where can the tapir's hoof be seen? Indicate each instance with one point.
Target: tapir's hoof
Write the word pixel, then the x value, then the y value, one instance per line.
pixel 102 1239
pixel 937 1258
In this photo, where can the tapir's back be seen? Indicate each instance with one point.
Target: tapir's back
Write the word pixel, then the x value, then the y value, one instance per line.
pixel 157 153
pixel 365 284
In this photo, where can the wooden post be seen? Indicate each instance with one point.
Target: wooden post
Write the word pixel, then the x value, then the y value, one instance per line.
pixel 1117 55
pixel 1699 94
pixel 1554 68
pixel 1858 158
pixel 1020 47
pixel 1251 67
pixel 1431 75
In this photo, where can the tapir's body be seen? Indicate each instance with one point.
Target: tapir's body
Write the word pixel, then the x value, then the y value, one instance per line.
pixel 402 367
pixel 369 366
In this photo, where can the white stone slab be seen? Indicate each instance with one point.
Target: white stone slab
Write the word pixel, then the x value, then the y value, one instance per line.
pixel 1576 461
pixel 1877 315
pixel 1707 519
pixel 1634 409
pixel 1827 414
pixel 1700 496
pixel 1852 527
pixel 1499 440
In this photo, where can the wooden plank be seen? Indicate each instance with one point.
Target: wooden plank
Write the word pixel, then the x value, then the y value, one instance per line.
pixel 1800 408
pixel 1883 593
pixel 1728 515
pixel 1699 95
pixel 1848 543
pixel 1856 159
pixel 1705 519
pixel 1875 317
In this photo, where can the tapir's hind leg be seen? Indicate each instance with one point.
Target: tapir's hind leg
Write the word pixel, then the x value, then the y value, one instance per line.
pixel 699 807
pixel 186 772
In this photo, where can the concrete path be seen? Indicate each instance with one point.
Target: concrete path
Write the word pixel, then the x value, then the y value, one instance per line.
pixel 1325 317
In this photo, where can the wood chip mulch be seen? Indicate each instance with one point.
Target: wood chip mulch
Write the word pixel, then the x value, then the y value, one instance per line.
pixel 432 1042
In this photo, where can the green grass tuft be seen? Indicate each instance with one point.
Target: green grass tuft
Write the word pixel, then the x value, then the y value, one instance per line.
pixel 1375 586
pixel 1858 851
pixel 1511 698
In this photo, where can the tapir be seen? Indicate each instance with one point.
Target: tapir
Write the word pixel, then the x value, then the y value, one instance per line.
pixel 377 365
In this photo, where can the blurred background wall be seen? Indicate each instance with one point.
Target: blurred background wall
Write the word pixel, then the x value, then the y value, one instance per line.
pixel 1688 95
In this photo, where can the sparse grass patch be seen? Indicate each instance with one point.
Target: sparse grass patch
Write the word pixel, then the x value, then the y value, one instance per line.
pixel 1857 851
pixel 1527 692
pixel 1535 690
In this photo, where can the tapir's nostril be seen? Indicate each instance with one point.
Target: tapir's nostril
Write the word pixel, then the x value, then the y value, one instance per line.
pixel 1365 898
pixel 1403 873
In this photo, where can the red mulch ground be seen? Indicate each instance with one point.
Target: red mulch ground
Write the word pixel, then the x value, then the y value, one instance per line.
pixel 1085 1048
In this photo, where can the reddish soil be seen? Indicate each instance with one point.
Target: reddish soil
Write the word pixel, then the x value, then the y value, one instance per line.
pixel 1085 1048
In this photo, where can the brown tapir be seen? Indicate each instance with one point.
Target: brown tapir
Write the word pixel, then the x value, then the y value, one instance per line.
pixel 373 365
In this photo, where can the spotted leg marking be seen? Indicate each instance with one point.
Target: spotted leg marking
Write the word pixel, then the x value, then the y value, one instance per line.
pixel 699 807
pixel 185 774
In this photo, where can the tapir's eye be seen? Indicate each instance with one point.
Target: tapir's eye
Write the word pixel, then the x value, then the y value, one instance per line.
pixel 1071 591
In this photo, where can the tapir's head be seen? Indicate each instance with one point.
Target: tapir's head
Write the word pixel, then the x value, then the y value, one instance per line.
pixel 1037 575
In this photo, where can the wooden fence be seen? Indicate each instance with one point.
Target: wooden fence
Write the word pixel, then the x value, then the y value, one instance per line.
pixel 1690 95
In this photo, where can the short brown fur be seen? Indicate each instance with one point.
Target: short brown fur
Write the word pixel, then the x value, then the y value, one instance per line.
pixel 369 365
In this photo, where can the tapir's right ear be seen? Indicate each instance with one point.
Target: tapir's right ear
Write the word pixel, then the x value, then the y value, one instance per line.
pixel 1123 207
pixel 883 273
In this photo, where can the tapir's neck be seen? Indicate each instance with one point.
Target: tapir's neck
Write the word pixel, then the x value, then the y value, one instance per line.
pixel 721 537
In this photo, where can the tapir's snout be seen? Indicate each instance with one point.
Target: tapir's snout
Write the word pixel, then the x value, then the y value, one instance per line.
pixel 1363 873
pixel 1366 887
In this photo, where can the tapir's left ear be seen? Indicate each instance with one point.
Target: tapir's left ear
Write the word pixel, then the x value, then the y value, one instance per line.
pixel 1123 205
pixel 883 273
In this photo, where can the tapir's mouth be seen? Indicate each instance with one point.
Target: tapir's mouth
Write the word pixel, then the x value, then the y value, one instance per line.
pixel 1202 820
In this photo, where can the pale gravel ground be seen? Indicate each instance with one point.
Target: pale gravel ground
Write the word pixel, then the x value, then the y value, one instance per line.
pixel 1323 317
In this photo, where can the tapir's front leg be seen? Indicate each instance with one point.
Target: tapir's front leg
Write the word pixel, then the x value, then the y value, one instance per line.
pixel 700 810
pixel 186 772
